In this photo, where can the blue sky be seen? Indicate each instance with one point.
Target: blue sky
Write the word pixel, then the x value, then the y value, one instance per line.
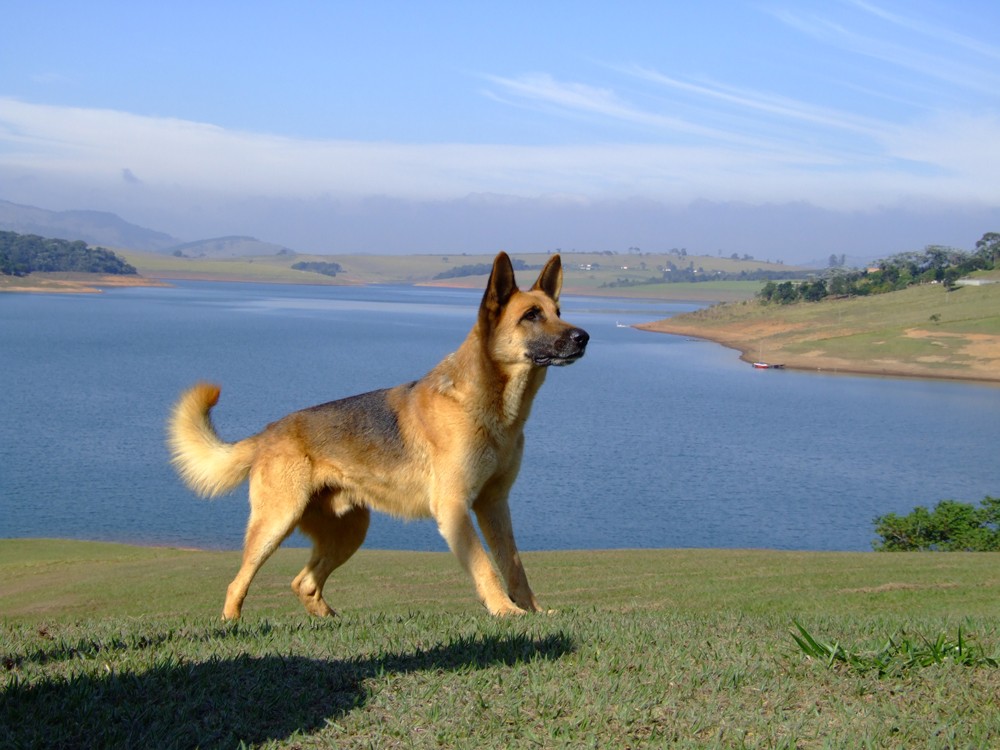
pixel 779 128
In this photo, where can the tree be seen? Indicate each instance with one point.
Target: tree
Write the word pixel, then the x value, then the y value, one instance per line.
pixel 813 292
pixel 21 254
pixel 951 526
pixel 988 248
pixel 786 293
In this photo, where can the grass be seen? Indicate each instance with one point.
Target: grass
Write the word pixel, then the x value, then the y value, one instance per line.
pixel 415 269
pixel 897 655
pixel 115 646
pixel 924 330
pixel 421 269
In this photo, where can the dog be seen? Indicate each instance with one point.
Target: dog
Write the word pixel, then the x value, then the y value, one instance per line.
pixel 446 446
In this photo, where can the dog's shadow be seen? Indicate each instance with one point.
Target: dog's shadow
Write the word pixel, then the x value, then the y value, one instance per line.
pixel 224 702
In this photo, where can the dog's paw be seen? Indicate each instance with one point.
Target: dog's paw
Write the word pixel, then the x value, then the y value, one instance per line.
pixel 508 610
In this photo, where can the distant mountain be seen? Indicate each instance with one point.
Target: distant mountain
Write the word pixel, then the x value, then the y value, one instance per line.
pixel 111 231
pixel 228 247
pixel 93 227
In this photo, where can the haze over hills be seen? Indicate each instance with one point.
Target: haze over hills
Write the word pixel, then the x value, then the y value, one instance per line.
pixel 109 230
pixel 451 228
pixel 93 227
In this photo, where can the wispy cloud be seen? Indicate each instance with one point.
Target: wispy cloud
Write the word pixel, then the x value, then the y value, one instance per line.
pixel 93 147
pixel 914 55
pixel 734 129
pixel 937 32
pixel 544 90
pixel 738 125
pixel 765 103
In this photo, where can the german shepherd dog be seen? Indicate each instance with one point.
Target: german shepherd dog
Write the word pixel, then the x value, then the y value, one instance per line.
pixel 439 447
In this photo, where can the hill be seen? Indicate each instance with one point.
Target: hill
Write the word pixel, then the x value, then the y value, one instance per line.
pixel 922 331
pixel 227 247
pixel 596 274
pixel 110 230
pixel 92 227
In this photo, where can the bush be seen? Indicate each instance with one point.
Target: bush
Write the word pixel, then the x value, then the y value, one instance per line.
pixel 952 526
pixel 477 269
pixel 327 269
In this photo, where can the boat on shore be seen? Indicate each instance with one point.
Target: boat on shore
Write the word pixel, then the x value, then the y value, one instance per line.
pixel 767 366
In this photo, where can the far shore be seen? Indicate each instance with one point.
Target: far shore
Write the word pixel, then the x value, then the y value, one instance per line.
pixel 749 349
pixel 74 283
pixel 746 342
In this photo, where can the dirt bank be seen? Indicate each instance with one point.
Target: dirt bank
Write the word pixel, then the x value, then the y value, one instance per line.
pixel 786 344
pixel 72 283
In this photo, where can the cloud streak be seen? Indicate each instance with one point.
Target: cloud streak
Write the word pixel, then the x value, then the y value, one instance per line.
pixel 952 67
pixel 96 145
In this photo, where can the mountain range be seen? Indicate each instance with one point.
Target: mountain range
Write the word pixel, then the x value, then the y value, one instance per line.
pixel 109 230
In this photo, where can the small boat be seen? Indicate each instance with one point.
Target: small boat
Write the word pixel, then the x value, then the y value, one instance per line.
pixel 760 364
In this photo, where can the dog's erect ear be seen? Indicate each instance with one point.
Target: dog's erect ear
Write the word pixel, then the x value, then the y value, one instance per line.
pixel 499 289
pixel 550 279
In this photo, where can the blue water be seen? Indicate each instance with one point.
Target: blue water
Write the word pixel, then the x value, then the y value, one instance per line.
pixel 649 441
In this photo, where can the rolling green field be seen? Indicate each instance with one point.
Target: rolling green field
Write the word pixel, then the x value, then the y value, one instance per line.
pixel 421 269
pixel 924 331
pixel 114 646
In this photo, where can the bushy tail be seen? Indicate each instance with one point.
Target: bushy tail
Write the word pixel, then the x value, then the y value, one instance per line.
pixel 206 463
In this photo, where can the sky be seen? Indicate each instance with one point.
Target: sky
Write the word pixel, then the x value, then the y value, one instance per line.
pixel 785 130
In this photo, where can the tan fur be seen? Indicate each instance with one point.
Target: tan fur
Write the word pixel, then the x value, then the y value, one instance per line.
pixel 445 447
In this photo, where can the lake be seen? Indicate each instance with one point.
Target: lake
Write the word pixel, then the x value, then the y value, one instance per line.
pixel 650 441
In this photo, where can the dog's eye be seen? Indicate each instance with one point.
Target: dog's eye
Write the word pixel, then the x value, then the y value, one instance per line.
pixel 532 315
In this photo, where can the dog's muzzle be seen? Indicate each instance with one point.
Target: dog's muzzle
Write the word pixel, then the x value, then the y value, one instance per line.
pixel 565 350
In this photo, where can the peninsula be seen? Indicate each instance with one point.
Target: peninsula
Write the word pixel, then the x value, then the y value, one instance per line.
pixel 926 331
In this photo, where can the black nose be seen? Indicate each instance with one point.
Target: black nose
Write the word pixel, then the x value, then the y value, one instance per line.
pixel 579 336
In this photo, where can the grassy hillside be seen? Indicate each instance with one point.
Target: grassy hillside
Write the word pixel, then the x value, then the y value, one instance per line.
pixel 113 646
pixel 923 331
pixel 580 275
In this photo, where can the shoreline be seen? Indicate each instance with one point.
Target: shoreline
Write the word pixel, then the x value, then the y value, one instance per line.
pixel 74 283
pixel 78 283
pixel 812 363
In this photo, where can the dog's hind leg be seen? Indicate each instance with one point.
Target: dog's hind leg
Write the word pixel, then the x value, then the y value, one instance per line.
pixel 335 539
pixel 274 513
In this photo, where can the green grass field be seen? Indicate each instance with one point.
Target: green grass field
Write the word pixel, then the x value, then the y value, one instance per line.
pixel 113 646
pixel 421 269
pixel 924 330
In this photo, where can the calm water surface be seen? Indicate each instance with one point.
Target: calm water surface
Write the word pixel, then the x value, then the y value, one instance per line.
pixel 649 441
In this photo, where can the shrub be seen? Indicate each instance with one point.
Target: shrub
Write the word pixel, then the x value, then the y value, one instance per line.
pixel 951 526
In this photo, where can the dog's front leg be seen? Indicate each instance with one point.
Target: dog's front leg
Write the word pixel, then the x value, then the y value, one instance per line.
pixel 495 523
pixel 456 527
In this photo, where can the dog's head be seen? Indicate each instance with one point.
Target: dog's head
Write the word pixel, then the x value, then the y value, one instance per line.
pixel 526 327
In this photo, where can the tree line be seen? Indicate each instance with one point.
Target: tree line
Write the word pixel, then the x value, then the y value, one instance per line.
pixel 671 274
pixel 478 269
pixel 934 263
pixel 22 254
pixel 325 268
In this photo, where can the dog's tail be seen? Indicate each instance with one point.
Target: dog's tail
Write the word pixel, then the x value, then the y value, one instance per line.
pixel 206 463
